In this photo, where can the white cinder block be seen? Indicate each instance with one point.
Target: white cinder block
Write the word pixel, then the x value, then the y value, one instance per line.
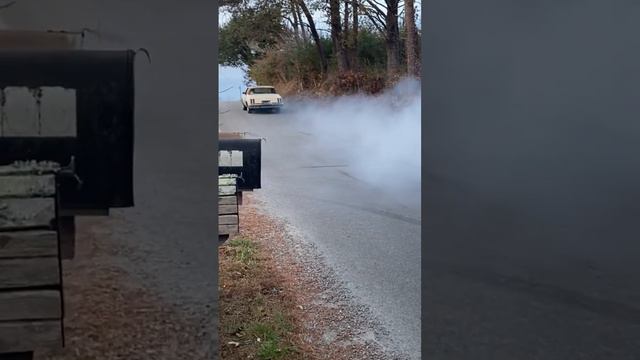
pixel 230 158
pixel 44 111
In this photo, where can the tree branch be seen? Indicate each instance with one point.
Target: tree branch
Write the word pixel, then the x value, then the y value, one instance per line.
pixel 380 26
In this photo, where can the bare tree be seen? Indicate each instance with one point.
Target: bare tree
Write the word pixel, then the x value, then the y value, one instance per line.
pixel 337 36
pixel 296 9
pixel 314 34
pixel 296 21
pixel 384 16
pixel 352 43
pixel 413 68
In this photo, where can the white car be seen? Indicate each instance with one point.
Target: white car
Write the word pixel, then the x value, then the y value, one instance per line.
pixel 261 98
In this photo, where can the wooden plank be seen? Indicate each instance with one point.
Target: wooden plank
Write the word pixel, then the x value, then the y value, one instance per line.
pixel 228 200
pixel 230 135
pixel 17 213
pixel 28 243
pixel 30 167
pixel 33 39
pixel 29 272
pixel 226 190
pixel 227 229
pixel 27 185
pixel 30 305
pixel 227 209
pixel 228 219
pixel 226 181
pixel 21 336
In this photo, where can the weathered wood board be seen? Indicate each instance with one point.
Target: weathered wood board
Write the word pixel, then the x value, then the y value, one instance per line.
pixel 30 305
pixel 28 243
pixel 27 186
pixel 226 190
pixel 22 336
pixel 227 209
pixel 32 39
pixel 227 229
pixel 228 218
pixel 30 284
pixel 30 167
pixel 29 272
pixel 28 212
pixel 225 181
pixel 228 200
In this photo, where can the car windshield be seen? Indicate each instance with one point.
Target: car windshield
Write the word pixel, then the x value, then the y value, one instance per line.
pixel 263 91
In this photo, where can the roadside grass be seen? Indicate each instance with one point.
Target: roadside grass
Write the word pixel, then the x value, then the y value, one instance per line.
pixel 243 250
pixel 255 321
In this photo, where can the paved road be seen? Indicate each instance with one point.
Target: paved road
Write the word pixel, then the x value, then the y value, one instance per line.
pixel 370 237
pixel 170 233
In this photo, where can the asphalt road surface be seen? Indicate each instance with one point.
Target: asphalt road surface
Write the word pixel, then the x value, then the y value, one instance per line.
pixel 171 230
pixel 368 236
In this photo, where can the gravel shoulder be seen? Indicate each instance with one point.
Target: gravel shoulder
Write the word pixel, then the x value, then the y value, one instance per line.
pixel 331 323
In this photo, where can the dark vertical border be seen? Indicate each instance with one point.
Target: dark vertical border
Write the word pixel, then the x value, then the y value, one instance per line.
pixel 215 187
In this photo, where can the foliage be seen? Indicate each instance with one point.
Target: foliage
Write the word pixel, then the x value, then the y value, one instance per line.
pixel 371 49
pixel 249 34
pixel 260 35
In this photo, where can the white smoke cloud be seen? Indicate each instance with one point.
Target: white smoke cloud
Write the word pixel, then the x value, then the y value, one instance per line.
pixel 378 136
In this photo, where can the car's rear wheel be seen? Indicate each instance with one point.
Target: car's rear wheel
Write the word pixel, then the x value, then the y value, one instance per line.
pixel 244 107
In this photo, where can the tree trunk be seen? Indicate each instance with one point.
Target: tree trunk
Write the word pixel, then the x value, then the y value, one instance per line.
pixel 296 21
pixel 303 31
pixel 346 18
pixel 337 35
pixel 314 34
pixel 413 68
pixel 346 37
pixel 353 46
pixel 393 38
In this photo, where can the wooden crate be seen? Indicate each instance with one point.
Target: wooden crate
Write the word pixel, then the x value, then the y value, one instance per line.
pixel 31 303
pixel 228 217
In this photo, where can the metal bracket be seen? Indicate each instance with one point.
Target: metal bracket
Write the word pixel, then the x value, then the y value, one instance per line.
pixel 70 171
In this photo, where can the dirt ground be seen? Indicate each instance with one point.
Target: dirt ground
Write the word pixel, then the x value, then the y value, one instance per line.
pixel 108 315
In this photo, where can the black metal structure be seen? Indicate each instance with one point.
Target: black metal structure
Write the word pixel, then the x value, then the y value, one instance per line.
pixel 103 146
pixel 249 173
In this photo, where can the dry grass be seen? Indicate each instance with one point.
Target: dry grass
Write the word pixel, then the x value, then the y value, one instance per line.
pixel 256 319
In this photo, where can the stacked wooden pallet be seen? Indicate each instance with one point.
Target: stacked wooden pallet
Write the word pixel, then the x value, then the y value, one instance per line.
pixel 228 217
pixel 31 305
